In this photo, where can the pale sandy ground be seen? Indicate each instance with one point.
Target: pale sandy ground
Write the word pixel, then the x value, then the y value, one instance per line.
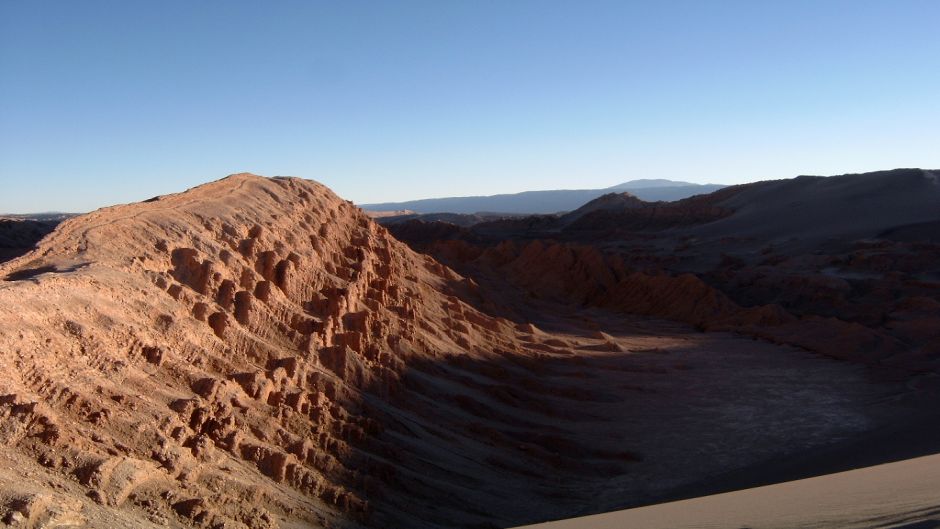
pixel 905 494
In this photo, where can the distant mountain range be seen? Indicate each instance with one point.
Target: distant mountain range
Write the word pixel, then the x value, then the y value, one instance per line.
pixel 551 201
pixel 797 213
pixel 40 217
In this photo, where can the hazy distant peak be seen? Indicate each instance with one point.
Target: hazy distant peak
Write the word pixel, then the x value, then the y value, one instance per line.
pixel 644 183
pixel 547 201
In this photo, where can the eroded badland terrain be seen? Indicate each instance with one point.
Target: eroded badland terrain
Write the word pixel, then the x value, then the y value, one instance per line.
pixel 259 353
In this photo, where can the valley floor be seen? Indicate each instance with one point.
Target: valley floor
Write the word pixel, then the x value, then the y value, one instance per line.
pixel 700 412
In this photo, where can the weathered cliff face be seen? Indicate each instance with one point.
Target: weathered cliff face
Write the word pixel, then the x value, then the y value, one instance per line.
pixel 152 336
pixel 866 318
pixel 886 293
pixel 834 265
pixel 231 355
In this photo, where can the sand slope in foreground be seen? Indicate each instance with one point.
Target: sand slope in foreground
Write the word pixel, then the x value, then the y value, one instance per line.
pixel 905 494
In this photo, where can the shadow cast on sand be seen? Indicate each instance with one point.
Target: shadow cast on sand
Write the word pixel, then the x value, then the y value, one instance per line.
pixel 505 442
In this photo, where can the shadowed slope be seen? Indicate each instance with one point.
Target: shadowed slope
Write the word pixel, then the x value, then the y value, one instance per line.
pixel 18 236
pixel 812 209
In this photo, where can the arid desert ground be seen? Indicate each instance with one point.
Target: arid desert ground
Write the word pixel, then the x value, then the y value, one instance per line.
pixel 260 353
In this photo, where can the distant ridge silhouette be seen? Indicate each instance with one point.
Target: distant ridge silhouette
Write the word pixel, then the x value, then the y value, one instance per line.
pixel 549 201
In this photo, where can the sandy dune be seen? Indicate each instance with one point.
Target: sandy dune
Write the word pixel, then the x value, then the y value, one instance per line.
pixel 898 495
pixel 813 209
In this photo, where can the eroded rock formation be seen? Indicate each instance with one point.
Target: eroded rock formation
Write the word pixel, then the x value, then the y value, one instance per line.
pixel 258 353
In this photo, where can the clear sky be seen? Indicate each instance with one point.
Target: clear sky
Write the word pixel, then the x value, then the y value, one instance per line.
pixel 108 102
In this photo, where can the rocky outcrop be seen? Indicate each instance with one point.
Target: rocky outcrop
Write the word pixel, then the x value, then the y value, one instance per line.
pixel 821 263
pixel 236 355
pixel 808 311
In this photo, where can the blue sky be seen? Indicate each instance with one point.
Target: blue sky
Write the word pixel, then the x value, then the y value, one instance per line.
pixel 108 102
